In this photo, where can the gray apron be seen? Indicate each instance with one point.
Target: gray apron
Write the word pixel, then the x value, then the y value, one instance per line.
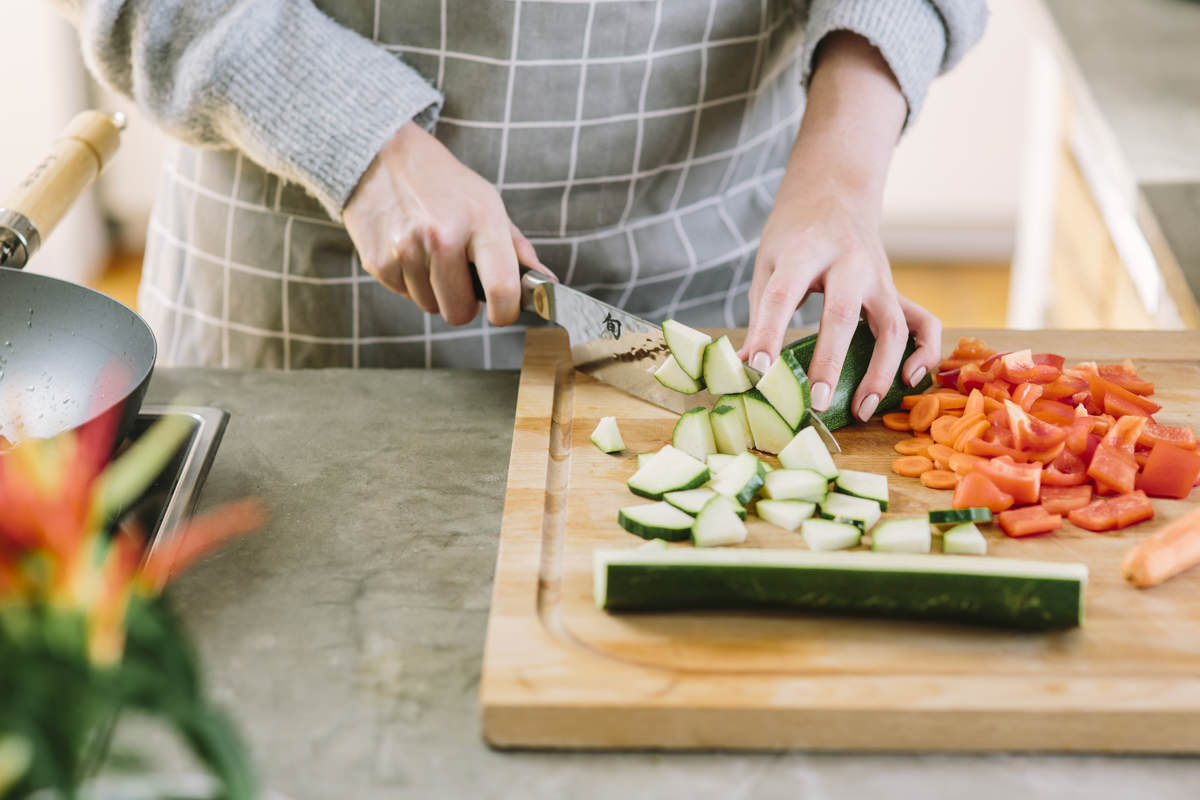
pixel 638 145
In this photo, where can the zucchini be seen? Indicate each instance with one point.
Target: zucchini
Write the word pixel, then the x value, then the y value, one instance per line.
pixel 910 535
pixel 672 376
pixel 656 521
pixel 687 345
pixel 785 385
pixel 731 430
pixel 607 436
pixel 718 461
pixel 795 484
pixel 693 435
pixel 807 451
pixel 724 372
pixel 771 432
pixel 964 539
pixel 858 358
pixel 1002 592
pixel 824 534
pixel 863 484
pixel 787 514
pixel 855 510
pixel 653 544
pixel 644 458
pixel 692 501
pixel 671 470
pixel 954 516
pixel 718 524
pixel 741 479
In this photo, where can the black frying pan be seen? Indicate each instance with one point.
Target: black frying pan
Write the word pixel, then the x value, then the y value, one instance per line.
pixel 67 354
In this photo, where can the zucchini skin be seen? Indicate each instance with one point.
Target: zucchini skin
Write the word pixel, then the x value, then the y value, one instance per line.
pixel 957 516
pixel 858 357
pixel 995 601
pixel 645 532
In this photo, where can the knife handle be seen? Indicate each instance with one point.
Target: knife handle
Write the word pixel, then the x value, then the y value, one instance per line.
pixel 534 296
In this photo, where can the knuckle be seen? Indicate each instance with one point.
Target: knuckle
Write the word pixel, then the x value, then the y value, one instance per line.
pixel 504 294
pixel 777 297
pixel 826 364
pixel 840 312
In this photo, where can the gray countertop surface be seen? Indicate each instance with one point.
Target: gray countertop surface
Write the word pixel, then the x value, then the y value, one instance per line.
pixel 1140 65
pixel 346 637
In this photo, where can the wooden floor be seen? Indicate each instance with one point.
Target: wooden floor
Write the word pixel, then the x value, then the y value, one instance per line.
pixel 963 295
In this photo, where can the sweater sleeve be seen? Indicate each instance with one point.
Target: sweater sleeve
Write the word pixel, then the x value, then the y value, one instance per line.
pixel 919 39
pixel 295 91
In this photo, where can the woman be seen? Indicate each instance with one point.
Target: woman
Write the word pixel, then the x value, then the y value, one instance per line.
pixel 714 161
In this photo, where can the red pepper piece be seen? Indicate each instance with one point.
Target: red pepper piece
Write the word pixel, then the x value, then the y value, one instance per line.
pixel 1061 499
pixel 1028 521
pixel 975 490
pixel 1113 468
pixel 1170 471
pixel 1180 436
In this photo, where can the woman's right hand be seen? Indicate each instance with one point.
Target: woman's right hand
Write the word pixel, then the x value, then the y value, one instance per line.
pixel 419 217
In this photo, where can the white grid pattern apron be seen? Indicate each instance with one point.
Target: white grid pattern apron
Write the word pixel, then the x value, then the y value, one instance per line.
pixel 638 145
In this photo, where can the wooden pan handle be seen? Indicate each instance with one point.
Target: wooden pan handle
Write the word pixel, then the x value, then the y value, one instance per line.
pixel 42 199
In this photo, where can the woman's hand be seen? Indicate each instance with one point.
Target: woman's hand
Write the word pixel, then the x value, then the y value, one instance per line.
pixel 419 217
pixel 823 233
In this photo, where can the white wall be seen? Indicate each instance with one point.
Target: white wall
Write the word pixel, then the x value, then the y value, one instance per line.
pixel 956 179
pixel 45 86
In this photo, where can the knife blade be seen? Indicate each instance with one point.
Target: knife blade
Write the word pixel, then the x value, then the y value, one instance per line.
pixel 619 348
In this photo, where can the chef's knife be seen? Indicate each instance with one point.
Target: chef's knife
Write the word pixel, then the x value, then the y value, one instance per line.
pixel 617 347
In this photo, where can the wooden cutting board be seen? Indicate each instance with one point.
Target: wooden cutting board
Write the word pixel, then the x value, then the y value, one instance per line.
pixel 558 672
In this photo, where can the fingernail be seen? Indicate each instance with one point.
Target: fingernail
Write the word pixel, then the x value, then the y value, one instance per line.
pixel 761 362
pixel 820 396
pixel 916 377
pixel 867 407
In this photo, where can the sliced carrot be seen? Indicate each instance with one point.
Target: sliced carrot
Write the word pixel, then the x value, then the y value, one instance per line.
pixel 896 421
pixel 949 401
pixel 916 446
pixel 973 431
pixel 941 455
pixel 965 422
pixel 910 400
pixel 923 413
pixel 991 404
pixel 911 466
pixel 975 403
pixel 962 463
pixel 940 430
pixel 939 479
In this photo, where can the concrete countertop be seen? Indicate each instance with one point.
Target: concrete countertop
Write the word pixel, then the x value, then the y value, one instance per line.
pixel 1137 65
pixel 346 637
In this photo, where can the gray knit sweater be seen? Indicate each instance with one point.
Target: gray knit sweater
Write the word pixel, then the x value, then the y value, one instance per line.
pixel 299 91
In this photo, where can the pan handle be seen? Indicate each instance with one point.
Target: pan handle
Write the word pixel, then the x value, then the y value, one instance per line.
pixel 40 201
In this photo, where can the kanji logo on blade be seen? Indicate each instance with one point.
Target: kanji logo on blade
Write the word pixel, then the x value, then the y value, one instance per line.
pixel 612 326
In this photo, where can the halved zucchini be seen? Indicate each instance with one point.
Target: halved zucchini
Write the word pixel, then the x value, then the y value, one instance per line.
pixel 807 451
pixel 656 521
pixel 724 372
pixel 731 429
pixel 787 514
pixel 687 345
pixel 718 461
pixel 824 534
pixel 909 535
pixel 795 484
pixel 785 385
pixel 741 479
pixel 693 434
pixel 771 432
pixel 855 510
pixel 964 539
pixel 863 484
pixel 717 524
pixel 672 376
pixel 671 470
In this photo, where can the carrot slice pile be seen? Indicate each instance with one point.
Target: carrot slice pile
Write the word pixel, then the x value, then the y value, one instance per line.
pixel 911 466
pixel 897 421
pixel 939 479
pixel 916 446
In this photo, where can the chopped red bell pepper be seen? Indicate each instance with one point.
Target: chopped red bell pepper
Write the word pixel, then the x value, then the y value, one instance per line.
pixel 1095 516
pixel 1026 394
pixel 1180 436
pixel 1124 434
pixel 1066 470
pixel 1113 468
pixel 1022 481
pixel 1125 376
pixel 1028 521
pixel 1030 433
pixel 1120 407
pixel 1052 411
pixel 1117 512
pixel 1061 499
pixel 1132 508
pixel 1170 471
pixel 1102 387
pixel 975 490
pixel 1053 360
pixel 1064 386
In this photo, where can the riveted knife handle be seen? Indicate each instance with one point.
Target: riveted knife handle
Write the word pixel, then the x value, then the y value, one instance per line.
pixel 534 294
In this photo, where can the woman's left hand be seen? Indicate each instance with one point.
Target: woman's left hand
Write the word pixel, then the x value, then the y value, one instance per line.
pixel 823 233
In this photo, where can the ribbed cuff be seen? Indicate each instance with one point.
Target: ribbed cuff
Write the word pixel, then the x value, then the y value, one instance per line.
pixel 315 102
pixel 909 34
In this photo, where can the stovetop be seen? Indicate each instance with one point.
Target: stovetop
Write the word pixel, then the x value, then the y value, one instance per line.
pixel 173 495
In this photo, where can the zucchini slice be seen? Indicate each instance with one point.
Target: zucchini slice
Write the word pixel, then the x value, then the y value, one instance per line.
pixel 964 539
pixel 864 484
pixel 731 429
pixel 955 516
pixel 654 544
pixel 656 521
pixel 693 501
pixel 644 458
pixel 718 461
pixel 795 484
pixel 824 534
pixel 607 436
pixel 787 514
pixel 807 451
pixel 672 376
pixel 671 470
pixel 785 385
pixel 741 479
pixel 771 432
pixel 687 345
pixel 724 372
pixel 909 535
pixel 1012 593
pixel 718 524
pixel 855 510
pixel 693 434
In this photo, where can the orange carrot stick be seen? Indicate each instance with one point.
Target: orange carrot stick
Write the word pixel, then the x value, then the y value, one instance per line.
pixel 1167 553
